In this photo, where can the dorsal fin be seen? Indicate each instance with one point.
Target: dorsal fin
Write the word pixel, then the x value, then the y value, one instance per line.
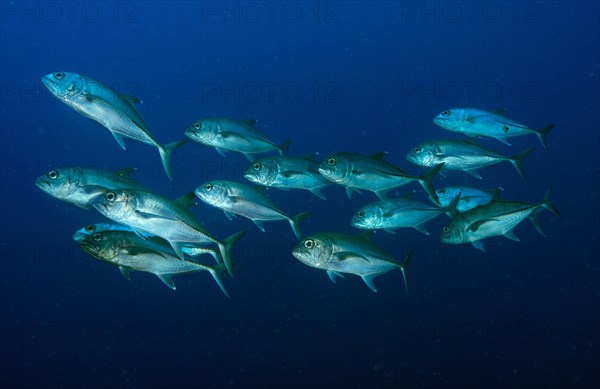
pixel 187 200
pixel 409 195
pixel 498 111
pixel 126 172
pixel 250 122
pixel 311 157
pixel 132 99
pixel 366 234
pixel 379 155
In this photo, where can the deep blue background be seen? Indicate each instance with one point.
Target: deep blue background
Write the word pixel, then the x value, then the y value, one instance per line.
pixel 360 77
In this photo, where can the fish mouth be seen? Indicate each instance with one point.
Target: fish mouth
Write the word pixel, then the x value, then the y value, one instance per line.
pixel 50 85
pixel 80 237
pixel 325 171
pixel 251 177
pixel 43 185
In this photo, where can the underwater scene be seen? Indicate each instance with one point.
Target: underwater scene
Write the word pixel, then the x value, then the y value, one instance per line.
pixel 299 194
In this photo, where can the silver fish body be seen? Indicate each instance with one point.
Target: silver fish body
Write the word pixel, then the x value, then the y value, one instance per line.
pixel 462 155
pixel 341 253
pixel 146 212
pixel 243 200
pixel 396 213
pixel 493 124
pixel 288 173
pixel 106 106
pixel 372 173
pixel 152 255
pixel 80 185
pixel 469 197
pixel 233 135
pixel 494 219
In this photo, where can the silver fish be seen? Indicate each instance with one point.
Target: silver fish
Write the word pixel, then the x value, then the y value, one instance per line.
pixel 233 135
pixel 239 199
pixel 495 219
pixel 396 213
pixel 372 173
pixel 469 197
pixel 79 185
pixel 342 253
pixel 146 212
pixel 288 173
pixel 462 155
pixel 189 249
pixel 152 255
pixel 113 110
pixel 477 122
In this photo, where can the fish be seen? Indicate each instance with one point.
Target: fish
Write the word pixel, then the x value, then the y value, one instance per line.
pixel 288 173
pixel 233 135
pixel 128 251
pixel 498 218
pixel 475 122
pixel 466 156
pixel 79 185
pixel 146 212
pixel 396 213
pixel 188 249
pixel 113 110
pixel 469 197
pixel 350 254
pixel 244 200
pixel 372 173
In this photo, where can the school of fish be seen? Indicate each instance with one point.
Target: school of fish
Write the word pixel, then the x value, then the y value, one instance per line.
pixel 151 233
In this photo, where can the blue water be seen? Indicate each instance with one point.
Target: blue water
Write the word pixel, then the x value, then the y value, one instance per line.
pixel 333 76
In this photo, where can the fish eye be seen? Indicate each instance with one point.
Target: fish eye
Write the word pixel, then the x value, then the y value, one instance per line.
pixel 446 229
pixel 197 126
pixel 110 196
pixel 97 237
pixel 361 213
pixel 442 191
pixel 208 187
pixel 257 166
pixel 90 228
pixel 331 161
pixel 417 150
pixel 59 75
pixel 309 243
pixel 445 113
pixel 53 174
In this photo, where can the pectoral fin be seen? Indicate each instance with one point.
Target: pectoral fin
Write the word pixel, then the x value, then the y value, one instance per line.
pixel 140 233
pixel 333 275
pixel 343 255
pixel 229 215
pixel 479 245
pixel 294 174
pixel 475 226
pixel 223 152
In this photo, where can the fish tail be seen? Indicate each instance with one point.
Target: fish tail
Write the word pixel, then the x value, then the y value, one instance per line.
pixel 426 182
pixel 403 266
pixel 547 203
pixel 284 146
pixel 165 155
pixel 216 271
pixel 517 161
pixel 541 134
pixel 225 249
pixel 295 223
